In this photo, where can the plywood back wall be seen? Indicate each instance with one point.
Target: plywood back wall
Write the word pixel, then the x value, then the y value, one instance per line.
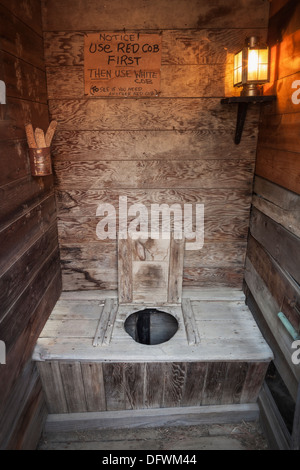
pixel 177 147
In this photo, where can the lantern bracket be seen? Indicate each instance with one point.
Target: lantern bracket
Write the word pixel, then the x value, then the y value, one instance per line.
pixel 243 102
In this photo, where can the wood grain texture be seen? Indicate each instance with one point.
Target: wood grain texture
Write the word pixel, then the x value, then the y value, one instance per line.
pixel 277 156
pixel 19 196
pixel 279 131
pixel 29 12
pixel 16 164
pixel 154 174
pixel 271 274
pixel 114 386
pixel 156 15
pixel 270 308
pixel 163 376
pixel 191 328
pixel 53 387
pixel 17 113
pixel 29 45
pixel 24 413
pixel 137 386
pixel 283 89
pixel 77 202
pixel 24 81
pixel 92 375
pixel 30 270
pixel 125 283
pixel 25 305
pixel 279 360
pixel 283 288
pixel 179 47
pixel 284 35
pixel 134 386
pixel 175 270
pixel 30 228
pixel 71 377
pixel 26 267
pixel 175 145
pixel 158 145
pixel 279 166
pixel 144 114
pixel 23 344
pixel 278 203
pixel 281 244
pixel 202 81
pixel 154 384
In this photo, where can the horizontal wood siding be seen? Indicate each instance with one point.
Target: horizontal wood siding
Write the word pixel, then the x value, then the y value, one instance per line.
pixel 175 147
pixel 30 277
pixel 273 254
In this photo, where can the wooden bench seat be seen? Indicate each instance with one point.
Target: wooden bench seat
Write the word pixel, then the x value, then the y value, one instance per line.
pixel 227 365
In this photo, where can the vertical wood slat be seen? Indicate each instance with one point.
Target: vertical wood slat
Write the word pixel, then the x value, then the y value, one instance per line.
pixel 106 322
pixel 134 380
pixel 194 383
pixel 124 270
pixel 73 386
pixel 233 385
pixel 77 387
pixel 174 384
pixel 113 374
pixel 175 270
pixel 92 375
pixel 154 384
pixel 215 378
pixel 254 378
pixel 190 324
pixel 50 375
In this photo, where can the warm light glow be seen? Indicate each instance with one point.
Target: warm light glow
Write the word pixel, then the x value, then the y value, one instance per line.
pixel 252 64
pixel 251 68
pixel 257 64
pixel 238 68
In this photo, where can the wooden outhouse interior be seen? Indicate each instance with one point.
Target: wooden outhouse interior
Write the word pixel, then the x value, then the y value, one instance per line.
pixel 172 146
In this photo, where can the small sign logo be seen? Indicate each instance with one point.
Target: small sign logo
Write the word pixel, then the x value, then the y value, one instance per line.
pixel 296 354
pixel 296 94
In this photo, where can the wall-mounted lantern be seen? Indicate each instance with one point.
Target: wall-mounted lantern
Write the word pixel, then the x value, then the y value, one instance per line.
pixel 251 67
pixel 250 71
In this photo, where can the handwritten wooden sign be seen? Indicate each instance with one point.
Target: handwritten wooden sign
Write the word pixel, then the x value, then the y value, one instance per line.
pixel 122 64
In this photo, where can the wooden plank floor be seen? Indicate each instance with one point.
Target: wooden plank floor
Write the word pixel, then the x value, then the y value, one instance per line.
pixel 236 436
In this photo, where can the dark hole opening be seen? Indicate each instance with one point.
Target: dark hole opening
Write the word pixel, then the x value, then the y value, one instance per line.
pixel 151 326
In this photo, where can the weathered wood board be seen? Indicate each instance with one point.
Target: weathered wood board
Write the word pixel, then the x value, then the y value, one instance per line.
pixel 227 365
pixel 138 14
pixel 164 146
pixel 150 269
pixel 272 261
pixel 122 64
pixel 30 267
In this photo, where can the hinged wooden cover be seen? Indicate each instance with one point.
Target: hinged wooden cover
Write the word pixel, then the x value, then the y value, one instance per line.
pixel 150 270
